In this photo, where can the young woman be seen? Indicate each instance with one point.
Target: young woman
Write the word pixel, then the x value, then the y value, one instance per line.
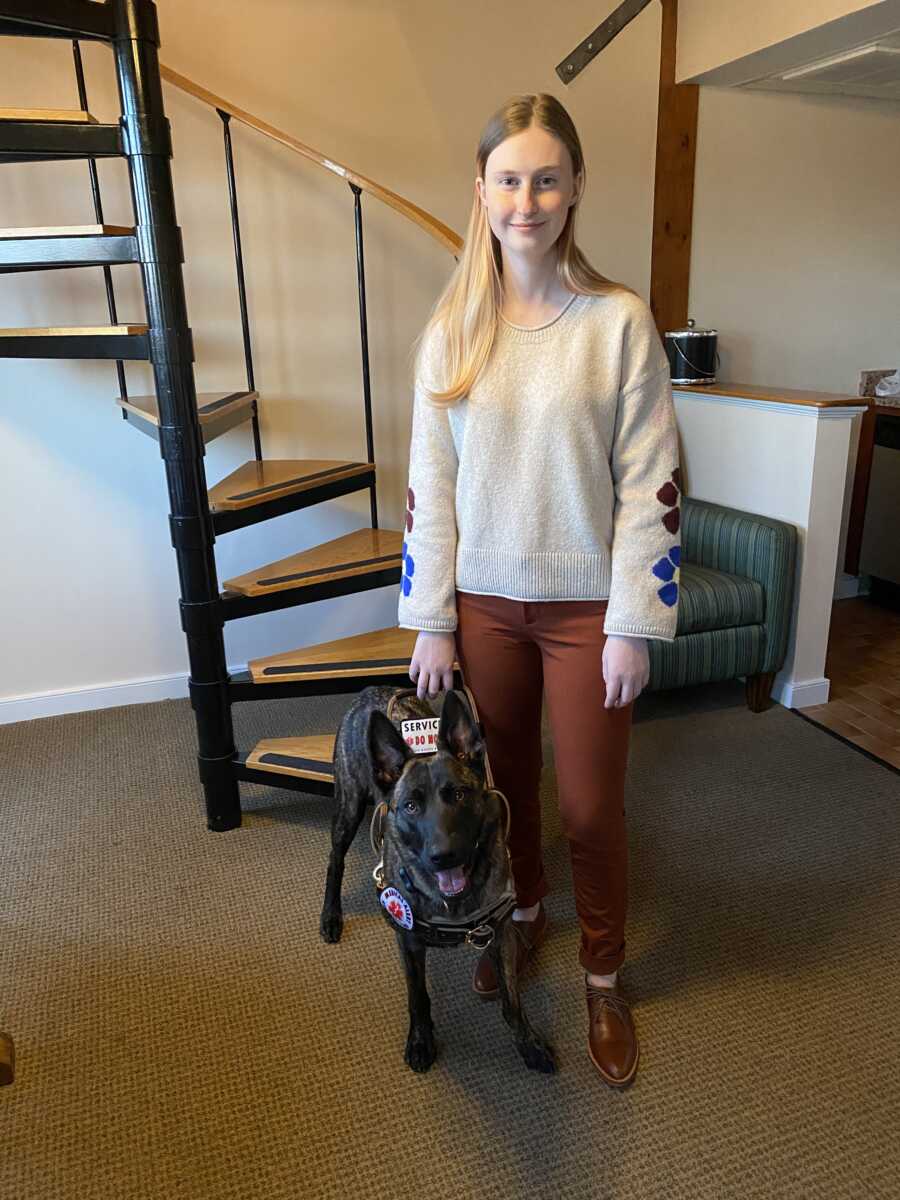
pixel 542 546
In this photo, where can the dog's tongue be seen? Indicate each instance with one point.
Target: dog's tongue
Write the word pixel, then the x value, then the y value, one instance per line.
pixel 452 882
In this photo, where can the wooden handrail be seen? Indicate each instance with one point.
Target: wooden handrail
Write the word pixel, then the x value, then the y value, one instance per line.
pixel 437 229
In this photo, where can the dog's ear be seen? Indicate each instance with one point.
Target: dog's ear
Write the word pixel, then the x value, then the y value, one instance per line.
pixel 458 733
pixel 387 750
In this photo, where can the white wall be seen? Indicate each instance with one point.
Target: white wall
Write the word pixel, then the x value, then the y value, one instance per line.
pixel 795 255
pixel 399 91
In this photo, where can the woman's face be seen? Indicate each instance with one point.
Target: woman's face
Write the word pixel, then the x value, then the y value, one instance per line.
pixel 528 189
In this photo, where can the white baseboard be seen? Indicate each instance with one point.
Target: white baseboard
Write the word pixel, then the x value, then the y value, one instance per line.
pixel 847 586
pixel 802 693
pixel 111 695
pixel 175 687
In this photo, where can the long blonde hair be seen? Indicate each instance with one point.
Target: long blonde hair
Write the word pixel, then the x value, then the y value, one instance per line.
pixel 466 314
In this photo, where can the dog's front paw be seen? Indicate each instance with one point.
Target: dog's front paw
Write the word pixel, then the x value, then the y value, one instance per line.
pixel 421 1050
pixel 331 925
pixel 538 1056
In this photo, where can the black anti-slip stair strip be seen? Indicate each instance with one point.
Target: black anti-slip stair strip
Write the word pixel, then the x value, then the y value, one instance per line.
pixel 227 519
pixel 285 483
pixel 299 764
pixel 319 571
pixel 279 779
pixel 236 606
pixel 244 690
pixel 310 668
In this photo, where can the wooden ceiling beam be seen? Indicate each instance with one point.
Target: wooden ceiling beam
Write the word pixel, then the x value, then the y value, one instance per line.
pixel 673 197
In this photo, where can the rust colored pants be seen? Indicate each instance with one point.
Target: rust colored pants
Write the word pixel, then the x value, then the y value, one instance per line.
pixel 511 654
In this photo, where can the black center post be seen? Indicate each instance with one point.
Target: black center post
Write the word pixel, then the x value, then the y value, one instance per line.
pixel 147 143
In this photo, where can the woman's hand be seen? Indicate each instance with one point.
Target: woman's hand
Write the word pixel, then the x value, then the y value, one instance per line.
pixel 431 667
pixel 626 669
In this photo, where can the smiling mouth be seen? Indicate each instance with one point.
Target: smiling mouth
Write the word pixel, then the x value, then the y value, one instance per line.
pixel 536 225
pixel 452 882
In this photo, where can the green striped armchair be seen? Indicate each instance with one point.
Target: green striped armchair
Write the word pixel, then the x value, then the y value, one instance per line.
pixel 735 599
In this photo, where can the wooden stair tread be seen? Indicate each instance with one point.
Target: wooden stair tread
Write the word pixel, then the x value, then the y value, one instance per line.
pixel 354 554
pixel 210 405
pixel 382 652
pixel 306 757
pixel 78 331
pixel 61 231
pixel 72 116
pixel 258 481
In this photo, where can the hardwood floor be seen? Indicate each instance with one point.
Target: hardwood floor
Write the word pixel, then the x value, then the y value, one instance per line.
pixel 863 664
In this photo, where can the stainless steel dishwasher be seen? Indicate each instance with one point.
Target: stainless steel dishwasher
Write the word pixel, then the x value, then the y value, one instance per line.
pixel 879 554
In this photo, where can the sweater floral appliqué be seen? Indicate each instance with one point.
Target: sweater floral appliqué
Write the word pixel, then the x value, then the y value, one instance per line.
pixel 669 567
pixel 409 566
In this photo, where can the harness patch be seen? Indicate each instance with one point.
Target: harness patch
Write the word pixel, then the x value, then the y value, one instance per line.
pixel 397 907
pixel 421 735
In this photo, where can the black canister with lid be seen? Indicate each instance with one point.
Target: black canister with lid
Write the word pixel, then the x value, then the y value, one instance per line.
pixel 692 354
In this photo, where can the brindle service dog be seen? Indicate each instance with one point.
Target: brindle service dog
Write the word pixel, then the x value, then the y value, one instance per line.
pixel 445 865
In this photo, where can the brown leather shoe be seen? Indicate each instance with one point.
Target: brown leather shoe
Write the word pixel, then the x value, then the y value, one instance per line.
pixel 612 1041
pixel 530 935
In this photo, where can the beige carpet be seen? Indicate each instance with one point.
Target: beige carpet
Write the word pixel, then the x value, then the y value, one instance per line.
pixel 182 1031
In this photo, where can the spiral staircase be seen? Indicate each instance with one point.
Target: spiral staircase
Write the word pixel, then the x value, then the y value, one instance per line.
pixel 182 421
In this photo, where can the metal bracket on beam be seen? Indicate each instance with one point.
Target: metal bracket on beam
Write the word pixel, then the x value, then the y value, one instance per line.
pixel 573 64
pixel 191 533
pixel 176 442
pixel 163 339
pixel 200 618
pixel 146 135
pixel 159 243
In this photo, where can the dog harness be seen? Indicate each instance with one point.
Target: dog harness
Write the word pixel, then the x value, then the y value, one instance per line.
pixel 478 929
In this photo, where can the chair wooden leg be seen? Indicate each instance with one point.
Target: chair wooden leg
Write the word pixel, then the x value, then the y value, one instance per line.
pixel 7 1059
pixel 759 691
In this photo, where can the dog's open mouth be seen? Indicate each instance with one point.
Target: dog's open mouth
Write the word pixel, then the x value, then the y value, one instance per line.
pixel 452 882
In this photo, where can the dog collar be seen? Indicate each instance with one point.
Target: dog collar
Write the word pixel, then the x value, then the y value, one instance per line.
pixel 478 929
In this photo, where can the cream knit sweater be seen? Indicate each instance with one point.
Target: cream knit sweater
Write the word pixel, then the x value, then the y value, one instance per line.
pixel 556 478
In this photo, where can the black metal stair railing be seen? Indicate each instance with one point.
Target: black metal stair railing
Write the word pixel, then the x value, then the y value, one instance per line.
pixel 239 264
pixel 364 340
pixel 98 213
pixel 245 318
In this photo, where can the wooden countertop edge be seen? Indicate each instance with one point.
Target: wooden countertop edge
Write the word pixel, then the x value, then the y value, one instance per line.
pixel 809 399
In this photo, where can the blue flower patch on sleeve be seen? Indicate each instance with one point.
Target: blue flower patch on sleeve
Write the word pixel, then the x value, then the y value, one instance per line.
pixel 409 569
pixel 666 570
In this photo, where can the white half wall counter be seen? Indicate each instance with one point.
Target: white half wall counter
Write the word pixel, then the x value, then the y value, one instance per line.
pixel 784 454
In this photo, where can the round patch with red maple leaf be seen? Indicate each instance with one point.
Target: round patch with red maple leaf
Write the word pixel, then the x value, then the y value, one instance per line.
pixel 397 907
